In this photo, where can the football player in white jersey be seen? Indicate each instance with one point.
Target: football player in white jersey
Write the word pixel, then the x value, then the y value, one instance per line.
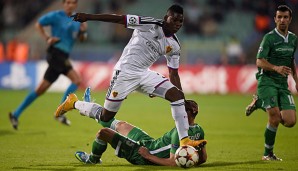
pixel 151 39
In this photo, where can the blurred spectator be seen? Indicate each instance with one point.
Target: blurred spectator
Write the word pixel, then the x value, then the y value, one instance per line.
pixel 17 51
pixel 228 5
pixel 97 6
pixel 10 14
pixel 17 13
pixel 218 10
pixel 233 52
pixel 262 18
pixel 192 15
pixel 247 6
pixel 120 35
pixel 209 26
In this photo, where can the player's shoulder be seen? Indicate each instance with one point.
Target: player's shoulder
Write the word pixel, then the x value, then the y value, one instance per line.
pixel 55 13
pixel 270 34
pixel 292 34
pixel 196 126
pixel 175 38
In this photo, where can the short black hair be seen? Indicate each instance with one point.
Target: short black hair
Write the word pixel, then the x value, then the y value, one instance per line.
pixel 176 9
pixel 284 8
pixel 189 104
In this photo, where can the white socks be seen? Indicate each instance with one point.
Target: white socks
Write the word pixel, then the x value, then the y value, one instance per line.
pixel 92 110
pixel 180 116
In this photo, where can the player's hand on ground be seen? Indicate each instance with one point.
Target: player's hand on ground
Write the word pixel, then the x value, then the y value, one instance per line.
pixel 80 17
pixel 144 152
pixel 53 40
pixel 283 70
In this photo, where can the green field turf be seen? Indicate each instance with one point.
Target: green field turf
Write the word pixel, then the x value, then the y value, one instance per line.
pixel 235 142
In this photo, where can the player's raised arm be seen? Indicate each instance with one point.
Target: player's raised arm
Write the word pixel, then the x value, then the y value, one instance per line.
pixel 112 18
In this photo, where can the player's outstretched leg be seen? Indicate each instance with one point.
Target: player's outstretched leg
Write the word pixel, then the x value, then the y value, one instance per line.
pixel 85 158
pixel 194 143
pixel 67 105
pixel 252 106
pixel 271 157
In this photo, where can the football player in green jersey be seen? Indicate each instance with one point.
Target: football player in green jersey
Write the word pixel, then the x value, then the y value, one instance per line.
pixel 137 147
pixel 275 62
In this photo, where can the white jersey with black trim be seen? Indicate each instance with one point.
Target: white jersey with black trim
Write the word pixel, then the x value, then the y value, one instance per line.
pixel 147 44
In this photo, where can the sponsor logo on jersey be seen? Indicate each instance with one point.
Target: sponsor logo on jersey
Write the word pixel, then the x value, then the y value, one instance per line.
pixel 149 44
pixel 169 49
pixel 115 93
pixel 285 49
pixel 197 136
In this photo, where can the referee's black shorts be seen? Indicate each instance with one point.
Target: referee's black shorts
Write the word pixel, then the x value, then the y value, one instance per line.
pixel 58 64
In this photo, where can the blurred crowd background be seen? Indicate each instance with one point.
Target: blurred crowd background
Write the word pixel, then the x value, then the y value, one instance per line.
pixel 215 32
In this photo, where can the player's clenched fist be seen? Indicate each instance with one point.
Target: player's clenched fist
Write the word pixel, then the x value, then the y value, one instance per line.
pixel 80 17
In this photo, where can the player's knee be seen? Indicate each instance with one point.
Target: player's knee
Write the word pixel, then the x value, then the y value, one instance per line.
pixel 174 94
pixel 102 133
pixel 274 121
pixel 77 81
pixel 289 124
pixel 120 125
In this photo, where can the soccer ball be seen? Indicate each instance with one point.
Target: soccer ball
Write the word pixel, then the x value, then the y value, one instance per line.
pixel 186 156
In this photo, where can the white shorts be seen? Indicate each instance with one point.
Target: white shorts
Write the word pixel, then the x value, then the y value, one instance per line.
pixel 123 83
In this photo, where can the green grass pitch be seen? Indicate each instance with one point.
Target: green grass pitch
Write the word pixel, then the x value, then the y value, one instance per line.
pixel 235 142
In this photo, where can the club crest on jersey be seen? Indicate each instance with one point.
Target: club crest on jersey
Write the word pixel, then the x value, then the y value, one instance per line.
pixel 114 93
pixel 168 49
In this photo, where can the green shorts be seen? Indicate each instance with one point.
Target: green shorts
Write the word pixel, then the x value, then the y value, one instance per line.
pixel 127 147
pixel 272 96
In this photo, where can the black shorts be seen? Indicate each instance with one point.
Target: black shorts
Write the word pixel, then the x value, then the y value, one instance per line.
pixel 58 64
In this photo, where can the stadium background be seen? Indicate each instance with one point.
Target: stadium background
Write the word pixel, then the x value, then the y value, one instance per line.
pixel 222 89
pixel 219 40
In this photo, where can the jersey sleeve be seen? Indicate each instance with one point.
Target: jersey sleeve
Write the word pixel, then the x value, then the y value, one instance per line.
pixel 175 142
pixel 264 48
pixel 140 22
pixel 173 61
pixel 47 19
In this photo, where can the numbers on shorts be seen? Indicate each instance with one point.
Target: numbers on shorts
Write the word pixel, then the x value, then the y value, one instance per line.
pixel 291 99
pixel 129 143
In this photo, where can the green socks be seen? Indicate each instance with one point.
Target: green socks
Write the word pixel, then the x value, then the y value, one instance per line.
pixel 98 147
pixel 270 134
